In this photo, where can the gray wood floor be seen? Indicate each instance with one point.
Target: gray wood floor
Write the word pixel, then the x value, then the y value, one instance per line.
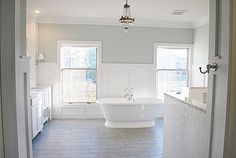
pixel 90 139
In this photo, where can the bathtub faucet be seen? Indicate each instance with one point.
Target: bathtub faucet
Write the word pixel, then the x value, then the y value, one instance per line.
pixel 129 94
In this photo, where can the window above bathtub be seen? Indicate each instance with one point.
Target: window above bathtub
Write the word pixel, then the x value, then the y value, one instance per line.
pixel 173 62
pixel 79 71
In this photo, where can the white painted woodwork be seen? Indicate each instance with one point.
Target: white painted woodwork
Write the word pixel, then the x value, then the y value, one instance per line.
pixel 41 111
pixel 22 83
pixel 230 136
pixel 14 80
pixel 218 81
pixel 184 130
pixel 114 79
pixel 117 77
pixel 46 94
pixel 8 94
pixel 37 119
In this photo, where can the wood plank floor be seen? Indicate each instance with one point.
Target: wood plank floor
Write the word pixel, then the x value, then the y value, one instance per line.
pixel 90 139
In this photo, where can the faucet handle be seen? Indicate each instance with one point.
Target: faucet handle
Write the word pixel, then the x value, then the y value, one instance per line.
pixel 125 92
pixel 126 89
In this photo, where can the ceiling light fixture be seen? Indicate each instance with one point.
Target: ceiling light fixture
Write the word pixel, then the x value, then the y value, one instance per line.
pixel 126 20
pixel 37 11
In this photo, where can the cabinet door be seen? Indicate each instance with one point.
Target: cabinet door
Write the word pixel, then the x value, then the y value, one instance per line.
pixel 46 98
pixel 39 118
pixel 34 121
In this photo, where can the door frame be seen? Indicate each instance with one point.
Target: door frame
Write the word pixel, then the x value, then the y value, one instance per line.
pixel 219 52
pixel 230 131
pixel 219 117
pixel 8 78
pixel 1 123
pixel 174 45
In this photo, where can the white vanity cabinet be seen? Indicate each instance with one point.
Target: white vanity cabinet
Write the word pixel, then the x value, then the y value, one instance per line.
pixel 185 128
pixel 41 107
pixel 36 105
pixel 47 102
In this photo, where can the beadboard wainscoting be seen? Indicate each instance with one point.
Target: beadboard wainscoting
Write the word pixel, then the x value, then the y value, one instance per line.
pixel 185 129
pixel 114 78
pixel 117 77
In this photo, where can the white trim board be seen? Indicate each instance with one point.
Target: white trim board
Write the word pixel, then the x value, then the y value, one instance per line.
pixel 117 77
pixel 114 78
pixel 66 20
pixel 78 116
pixel 175 45
pixel 202 21
pixel 97 44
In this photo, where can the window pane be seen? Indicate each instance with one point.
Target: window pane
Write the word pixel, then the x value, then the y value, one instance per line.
pixel 79 85
pixel 171 81
pixel 78 57
pixel 172 58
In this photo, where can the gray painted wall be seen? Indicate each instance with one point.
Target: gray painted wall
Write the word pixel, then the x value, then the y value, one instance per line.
pixel 118 47
pixel 201 45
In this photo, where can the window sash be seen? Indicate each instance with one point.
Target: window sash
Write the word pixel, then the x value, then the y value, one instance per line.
pixel 174 48
pixel 176 70
pixel 78 69
pixel 62 82
pixel 169 70
pixel 172 69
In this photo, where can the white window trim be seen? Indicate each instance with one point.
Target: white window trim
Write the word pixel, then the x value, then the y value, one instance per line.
pixel 98 44
pixel 174 45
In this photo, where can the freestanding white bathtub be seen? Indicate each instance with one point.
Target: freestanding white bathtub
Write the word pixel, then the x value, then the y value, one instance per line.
pixel 121 113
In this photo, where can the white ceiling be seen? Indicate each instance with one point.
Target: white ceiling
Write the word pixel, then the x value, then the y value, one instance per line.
pixel 146 12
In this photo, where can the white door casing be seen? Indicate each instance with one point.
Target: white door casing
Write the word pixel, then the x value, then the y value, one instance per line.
pixel 8 97
pixel 22 68
pixel 218 81
pixel 230 131
pixel 219 46
pixel 14 83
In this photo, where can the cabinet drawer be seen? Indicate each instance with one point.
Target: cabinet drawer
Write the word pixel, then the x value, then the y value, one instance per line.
pixel 36 99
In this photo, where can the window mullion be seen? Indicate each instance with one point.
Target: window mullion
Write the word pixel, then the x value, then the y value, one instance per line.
pixel 79 82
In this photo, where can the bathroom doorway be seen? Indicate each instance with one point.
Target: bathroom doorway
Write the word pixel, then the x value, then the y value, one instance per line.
pixel 219 26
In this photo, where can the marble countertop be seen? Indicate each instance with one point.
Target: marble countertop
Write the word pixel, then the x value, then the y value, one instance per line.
pixel 193 103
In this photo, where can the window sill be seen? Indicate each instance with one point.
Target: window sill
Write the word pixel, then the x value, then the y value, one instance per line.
pixel 79 105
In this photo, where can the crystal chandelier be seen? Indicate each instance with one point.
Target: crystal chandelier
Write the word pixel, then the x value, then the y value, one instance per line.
pixel 126 20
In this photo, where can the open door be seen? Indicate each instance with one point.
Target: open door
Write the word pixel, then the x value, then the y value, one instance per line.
pixel 1 133
pixel 230 136
pixel 14 124
pixel 218 75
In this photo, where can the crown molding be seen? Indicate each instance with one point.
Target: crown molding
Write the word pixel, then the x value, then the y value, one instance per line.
pixel 200 22
pixel 90 21
pixel 32 19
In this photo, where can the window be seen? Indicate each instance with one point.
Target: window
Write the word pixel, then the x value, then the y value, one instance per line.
pixel 78 66
pixel 172 69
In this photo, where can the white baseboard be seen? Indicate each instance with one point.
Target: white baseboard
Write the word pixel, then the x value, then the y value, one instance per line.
pixel 78 116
